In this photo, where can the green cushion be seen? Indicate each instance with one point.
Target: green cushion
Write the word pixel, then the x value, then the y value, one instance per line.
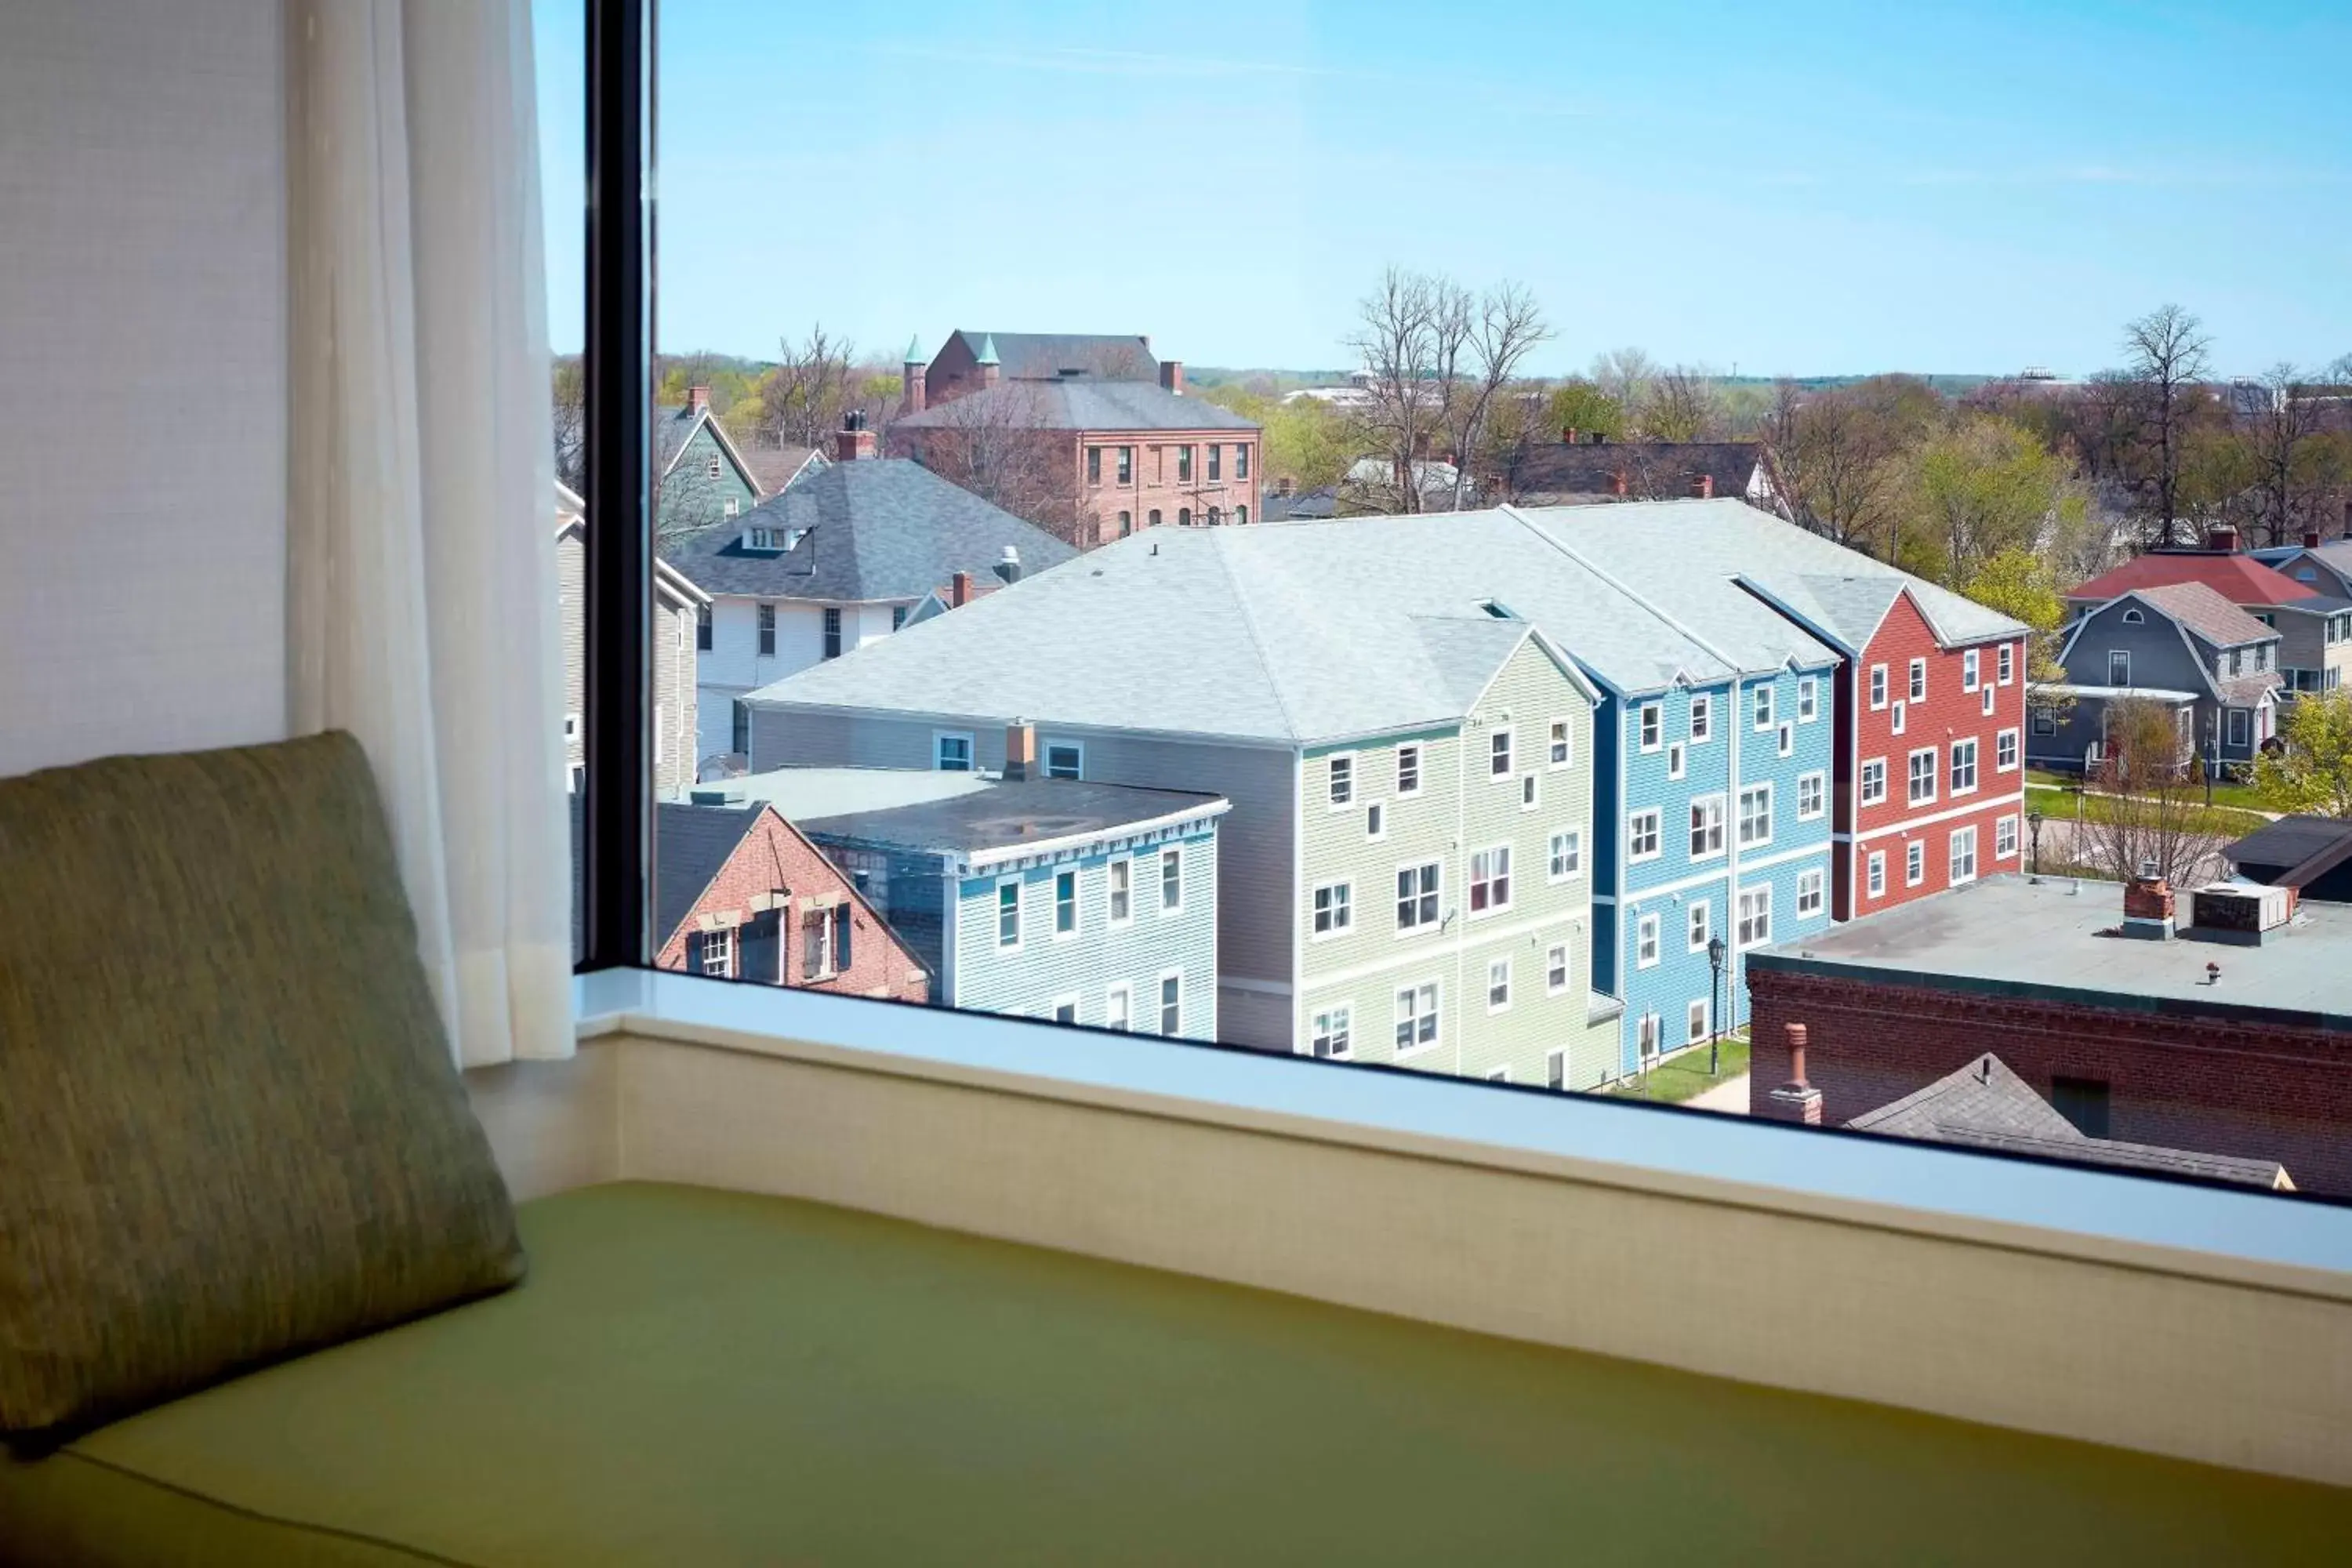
pixel 230 1128
pixel 694 1377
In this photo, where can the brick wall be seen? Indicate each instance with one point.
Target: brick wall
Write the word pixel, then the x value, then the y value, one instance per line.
pixel 1154 485
pixel 2266 1090
pixel 774 860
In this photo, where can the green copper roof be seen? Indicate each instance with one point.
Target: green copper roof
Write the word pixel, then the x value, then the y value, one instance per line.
pixel 914 351
pixel 988 350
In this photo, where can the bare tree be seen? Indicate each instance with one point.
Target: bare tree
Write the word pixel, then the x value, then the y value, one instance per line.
pixel 2150 811
pixel 812 385
pixel 1682 404
pixel 999 448
pixel 2275 422
pixel 2166 357
pixel 1625 376
pixel 1504 326
pixel 570 409
pixel 1402 333
pixel 1834 458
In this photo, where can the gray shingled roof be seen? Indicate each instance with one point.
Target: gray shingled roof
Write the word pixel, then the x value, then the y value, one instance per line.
pixel 1078 405
pixel 673 423
pixel 997 814
pixel 774 468
pixel 695 840
pixel 1043 356
pixel 2288 842
pixel 1293 632
pixel 1985 1105
pixel 2205 612
pixel 1659 468
pixel 882 528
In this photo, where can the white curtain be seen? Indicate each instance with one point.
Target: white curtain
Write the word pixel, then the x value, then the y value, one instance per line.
pixel 421 556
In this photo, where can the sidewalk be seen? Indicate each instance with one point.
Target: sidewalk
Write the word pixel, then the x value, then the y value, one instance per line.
pixel 1731 1096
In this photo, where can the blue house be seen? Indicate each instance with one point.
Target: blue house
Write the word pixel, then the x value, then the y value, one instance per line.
pixel 1042 897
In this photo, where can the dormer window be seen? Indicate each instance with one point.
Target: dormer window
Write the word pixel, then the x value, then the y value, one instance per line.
pixel 2133 617
pixel 767 538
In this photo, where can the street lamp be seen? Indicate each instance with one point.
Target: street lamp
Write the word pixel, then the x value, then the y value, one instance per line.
pixel 2033 827
pixel 1715 1011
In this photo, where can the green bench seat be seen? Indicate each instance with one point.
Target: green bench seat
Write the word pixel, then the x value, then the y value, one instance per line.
pixel 691 1377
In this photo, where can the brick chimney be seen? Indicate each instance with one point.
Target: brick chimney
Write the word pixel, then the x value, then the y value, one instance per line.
pixel 1621 487
pixel 1171 375
pixel 2311 539
pixel 2222 539
pixel 1568 435
pixel 1020 749
pixel 698 398
pixel 853 443
pixel 1703 487
pixel 958 590
pixel 1796 1100
pixel 2147 905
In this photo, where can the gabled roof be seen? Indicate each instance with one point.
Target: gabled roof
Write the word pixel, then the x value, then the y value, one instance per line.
pixel 674 424
pixel 1655 469
pixel 774 467
pixel 877 529
pixel 1301 505
pixel 982 817
pixel 2198 608
pixel 696 841
pixel 571 516
pixel 2240 579
pixel 1107 406
pixel 2334 553
pixel 2290 842
pixel 1296 633
pixel 1045 356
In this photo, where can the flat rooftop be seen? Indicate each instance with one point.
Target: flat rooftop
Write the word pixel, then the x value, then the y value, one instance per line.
pixel 977 816
pixel 2009 936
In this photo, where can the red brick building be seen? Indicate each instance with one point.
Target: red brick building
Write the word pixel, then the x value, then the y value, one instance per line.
pixel 1118 443
pixel 2130 1039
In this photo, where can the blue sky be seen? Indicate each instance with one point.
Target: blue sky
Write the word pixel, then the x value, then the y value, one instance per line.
pixel 1802 188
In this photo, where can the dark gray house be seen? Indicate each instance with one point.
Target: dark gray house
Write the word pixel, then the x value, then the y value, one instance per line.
pixel 2182 645
pixel 2312 854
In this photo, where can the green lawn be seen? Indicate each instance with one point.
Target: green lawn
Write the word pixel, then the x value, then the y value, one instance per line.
pixel 1682 1075
pixel 2057 800
pixel 2241 797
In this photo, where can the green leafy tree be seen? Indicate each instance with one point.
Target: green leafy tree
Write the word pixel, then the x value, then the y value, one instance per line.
pixel 2019 584
pixel 1579 404
pixel 1979 486
pixel 2313 772
pixel 1306 441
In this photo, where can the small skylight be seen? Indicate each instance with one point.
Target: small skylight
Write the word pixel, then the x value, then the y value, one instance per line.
pixel 1499 610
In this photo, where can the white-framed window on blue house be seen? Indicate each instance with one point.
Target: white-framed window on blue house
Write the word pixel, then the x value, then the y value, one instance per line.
pixel 1567 858
pixel 1877 686
pixel 1561 750
pixel 1642 835
pixel 1490 880
pixel 1653 726
pixel 1706 826
pixel 1119 1006
pixel 1764 705
pixel 1499 754
pixel 1008 913
pixel 1788 740
pixel 951 751
pixel 1171 1002
pixel 1556 972
pixel 1646 940
pixel 1873 781
pixel 1755 816
pixel 2240 721
pixel 1417 891
pixel 1119 891
pixel 1755 915
pixel 1328 1032
pixel 1339 779
pixel 1674 758
pixel 1416 1018
pixel 1065 903
pixel 1702 717
pixel 1408 766
pixel 1334 910
pixel 1065 758
pixel 1813 888
pixel 1813 794
pixel 1171 880
pixel 1809 699
pixel 1701 922
pixel 1498 984
pixel 1694 1021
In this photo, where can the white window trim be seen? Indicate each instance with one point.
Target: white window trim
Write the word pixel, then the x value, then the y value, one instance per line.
pixel 1914 849
pixel 1698 924
pixel 1676 759
pixel 1329 759
pixel 1510 754
pixel 1068 999
pixel 1078 912
pixel 1347 1009
pixel 1762 890
pixel 1552 879
pixel 1788 740
pixel 1915 685
pixel 1337 929
pixel 1126 995
pixel 1723 823
pixel 1694 1021
pixel 1821 885
pixel 1649 727
pixel 1648 932
pixel 1809 699
pixel 1510 986
pixel 1702 707
pixel 1771 815
pixel 1657 835
pixel 1566 967
pixel 2009 825
pixel 1860 793
pixel 1437 922
pixel 1976 766
pixel 1530 791
pixel 1118 922
pixel 971 751
pixel 1159 1008
pixel 1046 751
pixel 1874 879
pixel 2004 661
pixel 1764 705
pixel 1821 779
pixel 1881 687
pixel 1971 667
pixel 1436 988
pixel 1470 880
pixel 1952 878
pixel 1020 917
pixel 1159 864
pixel 1935 775
pixel 1896 718
pixel 1570 762
pixel 1376 810
pixel 1420 762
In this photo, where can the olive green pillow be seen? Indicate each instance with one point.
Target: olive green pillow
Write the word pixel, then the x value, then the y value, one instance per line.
pixel 230 1127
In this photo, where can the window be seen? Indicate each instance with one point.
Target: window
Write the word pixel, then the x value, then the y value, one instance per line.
pixel 2045 722
pixel 1556 1070
pixel 739 728
pixel 1335 909
pixel 1530 794
pixel 715 468
pixel 1216 460
pixel 1184 465
pixel 1126 523
pixel 1342 780
pixel 1490 880
pixel 1811 890
pixel 1809 699
pixel 1416 1018
pixel 1963 853
pixel 1498 984
pixel 1788 739
pixel 1756 815
pixel 760 538
pixel 1066 1009
pixel 1694 1021
pixel 1065 903
pixel 732 507
pixel 1648 1036
pixel 1918 680
pixel 1562 745
pixel 2234 667
pixel 1702 924
pixel 1702 717
pixel 1125 468
pixel 952 753
pixel 1172 881
pixel 1968 669
pixel 1567 854
pixel 1417 888
pixel 1064 760
pixel 1675 761
pixel 897 618
pixel 1216 515
pixel 766 631
pixel 1008 914
pixel 1813 794
pixel 1923 775
pixel 1895 719
pixel 1645 941
pixel 1877 873
pixel 1873 781
pixel 1375 822
pixel 1118 886
pixel 1755 915
pixel 1964 767
pixel 2119 667
pixel 2005 663
pixel 2134 618
pixel 1556 972
pixel 1764 707
pixel 1171 1005
pixel 1914 862
pixel 571 727
pixel 1653 726
pixel 1988 706
pixel 1184 517
pixel 1329 1033
pixel 1499 754
pixel 1408 759
pixel 1706 826
pixel 832 631
pixel 1093 465
pixel 2238 718
pixel 1151 517
pixel 702 628
pixel 1641 836
pixel 1877 686
pixel 718 951
pixel 2004 839
pixel 1118 1008
pixel 1241 517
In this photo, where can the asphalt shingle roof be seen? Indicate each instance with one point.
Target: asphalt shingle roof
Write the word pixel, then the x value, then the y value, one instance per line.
pixel 774 468
pixel 2240 579
pixel 2206 613
pixel 1078 405
pixel 2288 842
pixel 1043 356
pixel 998 814
pixel 881 527
pixel 696 842
pixel 1652 469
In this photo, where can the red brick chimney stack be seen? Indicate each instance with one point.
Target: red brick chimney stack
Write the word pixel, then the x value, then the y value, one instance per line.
pixel 1704 486
pixel 1020 749
pixel 2222 539
pixel 2311 539
pixel 698 399
pixel 1171 375
pixel 853 443
pixel 1568 435
pixel 1796 1100
pixel 960 590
